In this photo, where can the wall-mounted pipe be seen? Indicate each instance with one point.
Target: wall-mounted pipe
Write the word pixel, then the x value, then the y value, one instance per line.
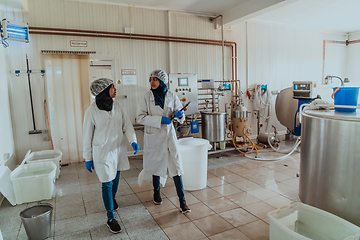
pixel 103 34
pixel 223 46
pixel 324 42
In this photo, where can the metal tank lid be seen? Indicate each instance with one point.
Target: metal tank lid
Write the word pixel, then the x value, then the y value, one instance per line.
pixel 332 114
pixel 211 113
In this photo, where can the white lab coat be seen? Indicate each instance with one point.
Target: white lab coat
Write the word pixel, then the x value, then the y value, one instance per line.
pixel 160 143
pixel 104 142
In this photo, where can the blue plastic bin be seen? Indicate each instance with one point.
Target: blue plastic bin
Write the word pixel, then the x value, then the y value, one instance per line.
pixel 346 96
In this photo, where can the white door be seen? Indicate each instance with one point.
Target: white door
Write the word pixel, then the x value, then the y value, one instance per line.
pixel 68 95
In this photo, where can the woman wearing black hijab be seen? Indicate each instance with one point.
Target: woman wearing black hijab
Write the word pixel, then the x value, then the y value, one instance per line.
pixel 161 156
pixel 105 124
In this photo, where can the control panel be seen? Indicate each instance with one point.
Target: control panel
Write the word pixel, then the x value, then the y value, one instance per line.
pixel 185 87
pixel 304 90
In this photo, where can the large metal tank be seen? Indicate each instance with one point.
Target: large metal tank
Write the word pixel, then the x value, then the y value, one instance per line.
pixel 330 162
pixel 213 126
pixel 286 107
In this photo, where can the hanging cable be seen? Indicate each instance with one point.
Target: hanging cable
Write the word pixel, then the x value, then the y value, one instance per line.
pixel 4 43
pixel 264 106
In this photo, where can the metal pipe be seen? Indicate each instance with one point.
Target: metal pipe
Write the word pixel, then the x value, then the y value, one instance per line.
pixel 222 49
pixel 31 101
pixel 88 33
pixel 246 56
pixel 132 35
pixel 213 100
pixel 324 42
pixel 126 37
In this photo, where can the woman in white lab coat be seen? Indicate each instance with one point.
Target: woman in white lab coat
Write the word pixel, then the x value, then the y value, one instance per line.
pixel 161 154
pixel 104 144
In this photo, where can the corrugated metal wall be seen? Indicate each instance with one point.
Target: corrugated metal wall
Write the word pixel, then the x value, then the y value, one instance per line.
pixel 277 55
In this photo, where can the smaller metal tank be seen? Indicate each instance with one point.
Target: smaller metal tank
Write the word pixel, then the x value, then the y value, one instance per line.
pixel 240 126
pixel 213 126
pixel 241 112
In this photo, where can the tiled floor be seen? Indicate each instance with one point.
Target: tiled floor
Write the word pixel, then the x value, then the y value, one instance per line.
pixel 234 205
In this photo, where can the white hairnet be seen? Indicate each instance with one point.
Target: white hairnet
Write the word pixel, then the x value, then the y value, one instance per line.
pixel 99 85
pixel 160 74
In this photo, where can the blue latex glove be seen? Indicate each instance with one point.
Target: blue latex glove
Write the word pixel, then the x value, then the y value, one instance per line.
pixel 89 165
pixel 135 146
pixel 165 120
pixel 179 114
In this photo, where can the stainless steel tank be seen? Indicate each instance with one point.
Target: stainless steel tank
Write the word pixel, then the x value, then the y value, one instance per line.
pixel 213 126
pixel 330 162
pixel 241 112
pixel 286 107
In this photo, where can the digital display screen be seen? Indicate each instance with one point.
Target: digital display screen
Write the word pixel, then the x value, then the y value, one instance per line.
pixel 301 86
pixel 183 82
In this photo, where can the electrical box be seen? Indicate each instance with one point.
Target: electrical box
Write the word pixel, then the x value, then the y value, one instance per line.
pixel 185 87
pixel 207 83
pixel 16 31
pixel 304 90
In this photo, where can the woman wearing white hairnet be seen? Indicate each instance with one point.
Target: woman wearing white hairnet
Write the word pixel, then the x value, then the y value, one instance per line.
pixel 161 154
pixel 105 150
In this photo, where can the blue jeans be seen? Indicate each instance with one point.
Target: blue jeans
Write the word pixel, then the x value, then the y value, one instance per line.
pixel 178 185
pixel 109 190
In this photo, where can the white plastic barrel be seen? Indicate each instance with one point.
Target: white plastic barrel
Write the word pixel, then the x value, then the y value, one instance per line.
pixel 194 156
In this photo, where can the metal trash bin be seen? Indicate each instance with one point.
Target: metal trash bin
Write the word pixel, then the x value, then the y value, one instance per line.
pixel 37 221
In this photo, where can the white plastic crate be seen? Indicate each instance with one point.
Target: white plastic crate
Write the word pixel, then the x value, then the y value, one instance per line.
pixel 44 156
pixel 303 222
pixel 33 182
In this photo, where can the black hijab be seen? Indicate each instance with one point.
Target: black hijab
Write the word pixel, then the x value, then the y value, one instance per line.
pixel 160 93
pixel 103 100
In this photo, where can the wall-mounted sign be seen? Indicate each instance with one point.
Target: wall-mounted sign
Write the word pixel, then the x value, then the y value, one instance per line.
pixel 128 76
pixel 74 43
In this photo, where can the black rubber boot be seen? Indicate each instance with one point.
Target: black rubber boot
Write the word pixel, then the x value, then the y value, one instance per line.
pixel 157 198
pixel 183 207
pixel 116 206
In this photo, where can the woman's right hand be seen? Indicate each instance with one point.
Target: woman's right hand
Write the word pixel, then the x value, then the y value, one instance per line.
pixel 89 165
pixel 165 120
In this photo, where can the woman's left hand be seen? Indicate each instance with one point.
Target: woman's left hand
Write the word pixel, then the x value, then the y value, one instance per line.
pixel 135 146
pixel 179 114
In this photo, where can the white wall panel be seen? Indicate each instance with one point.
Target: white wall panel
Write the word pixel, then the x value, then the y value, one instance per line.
pixel 353 53
pixel 277 55
pixel 6 132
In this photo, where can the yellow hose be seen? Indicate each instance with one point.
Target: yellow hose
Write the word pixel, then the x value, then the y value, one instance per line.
pixel 232 138
pixel 254 146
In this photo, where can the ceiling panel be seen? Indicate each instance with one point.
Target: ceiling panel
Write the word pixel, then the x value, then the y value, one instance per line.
pixel 340 16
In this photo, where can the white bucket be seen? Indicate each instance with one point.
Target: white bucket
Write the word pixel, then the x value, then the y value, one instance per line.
pixel 194 156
